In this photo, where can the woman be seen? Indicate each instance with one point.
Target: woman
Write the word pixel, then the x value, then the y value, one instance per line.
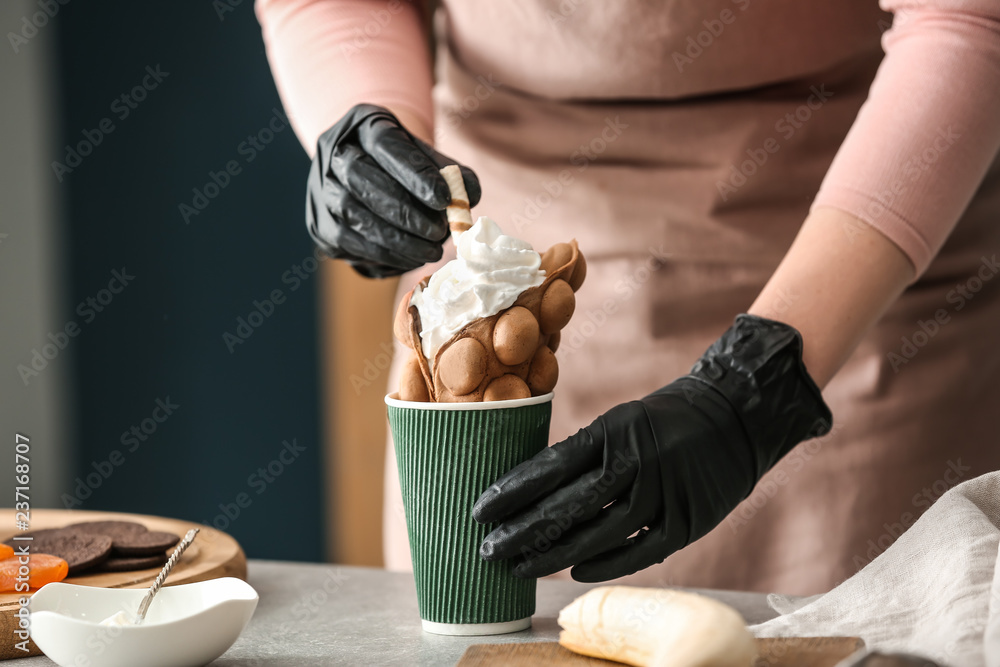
pixel 711 159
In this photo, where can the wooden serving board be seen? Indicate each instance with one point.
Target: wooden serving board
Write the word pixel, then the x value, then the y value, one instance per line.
pixel 213 554
pixel 783 652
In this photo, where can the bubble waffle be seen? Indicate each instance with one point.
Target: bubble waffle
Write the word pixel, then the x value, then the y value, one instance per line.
pixel 505 356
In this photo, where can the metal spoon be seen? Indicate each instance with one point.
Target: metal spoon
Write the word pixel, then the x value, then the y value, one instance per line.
pixel 158 582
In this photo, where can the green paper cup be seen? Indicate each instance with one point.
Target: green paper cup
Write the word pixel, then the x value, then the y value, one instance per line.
pixel 448 454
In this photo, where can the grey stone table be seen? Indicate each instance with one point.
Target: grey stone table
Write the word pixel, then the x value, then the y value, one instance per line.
pixel 312 615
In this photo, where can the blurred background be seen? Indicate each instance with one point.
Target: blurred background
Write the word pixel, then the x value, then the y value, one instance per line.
pixel 158 290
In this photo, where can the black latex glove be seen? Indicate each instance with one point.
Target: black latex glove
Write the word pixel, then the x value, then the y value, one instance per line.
pixel 670 466
pixel 375 195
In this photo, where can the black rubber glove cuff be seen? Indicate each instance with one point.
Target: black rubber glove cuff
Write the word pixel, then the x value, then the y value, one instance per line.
pixel 757 365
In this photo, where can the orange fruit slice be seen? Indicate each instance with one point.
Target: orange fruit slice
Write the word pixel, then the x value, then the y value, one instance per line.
pixel 42 569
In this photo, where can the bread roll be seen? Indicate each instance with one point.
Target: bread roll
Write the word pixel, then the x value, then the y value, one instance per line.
pixel 656 627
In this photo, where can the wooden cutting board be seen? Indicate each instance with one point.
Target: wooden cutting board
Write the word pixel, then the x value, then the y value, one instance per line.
pixel 783 652
pixel 213 554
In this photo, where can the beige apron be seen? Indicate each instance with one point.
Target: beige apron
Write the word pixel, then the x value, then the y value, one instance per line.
pixel 581 124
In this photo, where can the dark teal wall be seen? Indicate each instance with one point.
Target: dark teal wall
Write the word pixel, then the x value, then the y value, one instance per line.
pixel 208 92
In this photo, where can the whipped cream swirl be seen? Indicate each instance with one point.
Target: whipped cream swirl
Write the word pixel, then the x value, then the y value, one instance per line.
pixel 490 272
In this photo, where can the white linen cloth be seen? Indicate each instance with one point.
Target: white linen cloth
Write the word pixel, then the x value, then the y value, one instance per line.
pixel 935 592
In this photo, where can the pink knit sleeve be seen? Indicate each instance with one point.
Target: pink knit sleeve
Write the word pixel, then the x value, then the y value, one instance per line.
pixel 930 128
pixel 328 55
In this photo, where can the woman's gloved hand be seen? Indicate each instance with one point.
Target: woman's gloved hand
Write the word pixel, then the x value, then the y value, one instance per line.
pixel 375 195
pixel 670 466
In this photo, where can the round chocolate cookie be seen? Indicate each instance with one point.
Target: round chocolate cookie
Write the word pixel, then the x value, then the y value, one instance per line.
pixel 129 538
pixel 128 564
pixel 80 550
pixel 112 529
pixel 147 544
pixel 36 534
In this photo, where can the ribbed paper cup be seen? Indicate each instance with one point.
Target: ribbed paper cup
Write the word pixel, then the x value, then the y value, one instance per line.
pixel 448 454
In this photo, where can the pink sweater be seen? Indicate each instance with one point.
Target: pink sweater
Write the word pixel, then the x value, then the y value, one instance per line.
pixel 910 165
